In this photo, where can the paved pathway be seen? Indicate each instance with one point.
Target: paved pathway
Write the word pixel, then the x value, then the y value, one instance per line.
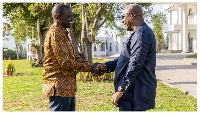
pixel 176 71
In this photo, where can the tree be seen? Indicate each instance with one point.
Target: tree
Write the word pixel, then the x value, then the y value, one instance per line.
pixel 94 16
pixel 158 20
pixel 6 29
pixel 9 53
pixel 20 33
pixel 34 15
pixel 89 18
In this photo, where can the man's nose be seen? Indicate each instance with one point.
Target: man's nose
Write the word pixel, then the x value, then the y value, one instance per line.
pixel 122 20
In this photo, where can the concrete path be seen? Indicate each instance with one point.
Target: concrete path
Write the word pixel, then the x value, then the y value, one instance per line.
pixel 175 70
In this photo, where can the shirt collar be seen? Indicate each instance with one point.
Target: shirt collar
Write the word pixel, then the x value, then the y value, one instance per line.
pixel 143 24
pixel 61 29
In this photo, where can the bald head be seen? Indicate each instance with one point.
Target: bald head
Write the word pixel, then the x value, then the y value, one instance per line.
pixel 136 9
pixel 59 10
pixel 132 17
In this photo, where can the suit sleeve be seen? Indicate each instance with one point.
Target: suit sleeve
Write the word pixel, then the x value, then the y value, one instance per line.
pixel 111 65
pixel 139 46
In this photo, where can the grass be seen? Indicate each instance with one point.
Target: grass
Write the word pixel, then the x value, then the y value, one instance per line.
pixel 24 93
pixel 192 56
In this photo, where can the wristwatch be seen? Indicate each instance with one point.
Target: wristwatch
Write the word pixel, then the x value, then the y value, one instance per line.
pixel 120 89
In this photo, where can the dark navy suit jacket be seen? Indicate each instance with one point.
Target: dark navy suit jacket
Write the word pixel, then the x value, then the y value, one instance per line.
pixel 135 70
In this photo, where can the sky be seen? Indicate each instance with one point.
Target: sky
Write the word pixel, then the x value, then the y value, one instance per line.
pixel 156 8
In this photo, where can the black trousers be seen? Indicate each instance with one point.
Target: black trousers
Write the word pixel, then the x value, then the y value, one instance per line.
pixel 125 109
pixel 57 103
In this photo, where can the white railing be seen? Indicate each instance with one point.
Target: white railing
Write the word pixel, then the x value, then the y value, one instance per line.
pixel 174 27
pixel 192 19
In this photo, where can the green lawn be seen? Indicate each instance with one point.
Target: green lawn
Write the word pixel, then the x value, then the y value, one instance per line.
pixel 192 56
pixel 24 93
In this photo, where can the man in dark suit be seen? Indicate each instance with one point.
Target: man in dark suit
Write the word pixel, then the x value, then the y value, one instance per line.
pixel 135 80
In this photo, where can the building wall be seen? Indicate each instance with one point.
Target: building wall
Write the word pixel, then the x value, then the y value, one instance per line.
pixel 28 48
pixel 180 25
pixel 113 45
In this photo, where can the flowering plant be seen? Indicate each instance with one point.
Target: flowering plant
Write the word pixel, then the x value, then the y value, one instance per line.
pixel 9 64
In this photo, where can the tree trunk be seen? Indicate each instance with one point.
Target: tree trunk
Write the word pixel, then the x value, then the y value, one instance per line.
pixel 83 32
pixel 89 51
pixel 41 40
pixel 86 47
pixel 158 47
pixel 17 50
pixel 73 39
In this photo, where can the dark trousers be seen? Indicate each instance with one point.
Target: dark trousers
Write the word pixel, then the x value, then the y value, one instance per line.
pixel 57 103
pixel 125 109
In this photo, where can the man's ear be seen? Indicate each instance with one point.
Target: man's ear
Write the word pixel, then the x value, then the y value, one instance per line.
pixel 57 17
pixel 133 15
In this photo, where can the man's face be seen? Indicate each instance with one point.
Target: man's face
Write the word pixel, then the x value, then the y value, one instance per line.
pixel 67 18
pixel 126 19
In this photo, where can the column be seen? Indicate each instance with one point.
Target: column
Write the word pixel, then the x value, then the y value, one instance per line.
pixel 184 27
pixel 170 17
pixel 170 41
pixel 105 48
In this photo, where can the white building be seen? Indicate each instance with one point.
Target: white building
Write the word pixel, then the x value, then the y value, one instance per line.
pixel 182 27
pixel 30 55
pixel 108 46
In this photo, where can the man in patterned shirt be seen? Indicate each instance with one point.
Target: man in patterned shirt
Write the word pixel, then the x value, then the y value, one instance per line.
pixel 61 65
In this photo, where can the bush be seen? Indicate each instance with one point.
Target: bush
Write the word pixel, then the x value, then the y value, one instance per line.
pixel 87 76
pixel 9 53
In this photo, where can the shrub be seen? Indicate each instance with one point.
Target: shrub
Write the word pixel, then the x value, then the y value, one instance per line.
pixel 9 53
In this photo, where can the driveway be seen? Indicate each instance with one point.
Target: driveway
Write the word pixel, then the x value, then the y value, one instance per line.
pixel 177 71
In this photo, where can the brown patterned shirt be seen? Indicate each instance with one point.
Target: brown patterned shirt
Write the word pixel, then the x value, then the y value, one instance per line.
pixel 61 65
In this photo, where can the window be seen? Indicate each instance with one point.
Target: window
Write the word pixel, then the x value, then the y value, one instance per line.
pixel 106 45
pixel 190 41
pixel 28 47
pixel 116 46
pixel 95 48
pixel 102 47
pixel 110 46
pixel 191 19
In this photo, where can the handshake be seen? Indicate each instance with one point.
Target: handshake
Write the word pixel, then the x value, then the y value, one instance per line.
pixel 98 69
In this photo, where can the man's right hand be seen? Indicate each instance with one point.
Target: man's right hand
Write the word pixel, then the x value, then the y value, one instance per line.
pixel 98 69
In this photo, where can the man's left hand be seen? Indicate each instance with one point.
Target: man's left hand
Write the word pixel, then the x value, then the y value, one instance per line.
pixel 116 97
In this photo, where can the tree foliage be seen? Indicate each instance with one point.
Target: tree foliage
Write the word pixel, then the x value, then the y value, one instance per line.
pixel 36 16
pixel 9 53
pixel 35 19
pixel 158 20
pixel 98 14
pixel 6 29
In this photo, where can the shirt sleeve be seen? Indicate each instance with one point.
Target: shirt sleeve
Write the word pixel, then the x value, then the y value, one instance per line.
pixel 111 65
pixel 139 46
pixel 64 54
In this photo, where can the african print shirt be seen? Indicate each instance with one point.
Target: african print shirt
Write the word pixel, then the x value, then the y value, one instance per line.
pixel 61 64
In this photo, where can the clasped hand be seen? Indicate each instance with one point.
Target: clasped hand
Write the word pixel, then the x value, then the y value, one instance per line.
pixel 98 69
